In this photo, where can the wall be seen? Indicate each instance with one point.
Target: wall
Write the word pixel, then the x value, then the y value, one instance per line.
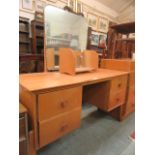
pixel 88 6
pixel 127 15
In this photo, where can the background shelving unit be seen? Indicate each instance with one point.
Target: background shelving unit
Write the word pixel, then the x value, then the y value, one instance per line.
pixel 119 47
pixel 31 58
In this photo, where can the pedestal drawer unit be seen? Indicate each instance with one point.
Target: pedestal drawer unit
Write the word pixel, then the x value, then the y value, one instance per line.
pixel 58 113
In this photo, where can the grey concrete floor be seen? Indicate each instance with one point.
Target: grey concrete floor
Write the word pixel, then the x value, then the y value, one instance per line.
pixel 99 134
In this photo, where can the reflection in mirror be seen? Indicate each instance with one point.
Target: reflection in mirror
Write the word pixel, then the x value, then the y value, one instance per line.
pixel 64 30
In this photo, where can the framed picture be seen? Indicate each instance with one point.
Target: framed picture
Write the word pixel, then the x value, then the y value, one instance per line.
pixel 72 4
pixel 39 6
pixel 103 24
pixel 79 6
pixel 94 38
pixel 27 4
pixel 92 20
pixel 102 41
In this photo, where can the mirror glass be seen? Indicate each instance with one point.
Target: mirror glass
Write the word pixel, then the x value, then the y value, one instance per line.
pixel 64 29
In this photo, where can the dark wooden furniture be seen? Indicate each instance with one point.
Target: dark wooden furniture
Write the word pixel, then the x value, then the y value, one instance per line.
pixel 24 40
pixel 37 28
pixel 29 60
pixel 23 130
pixel 118 46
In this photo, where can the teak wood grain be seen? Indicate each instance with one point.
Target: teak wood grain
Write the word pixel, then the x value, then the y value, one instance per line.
pixel 59 125
pixel 54 100
pixel 123 65
pixel 57 102
pixel 40 82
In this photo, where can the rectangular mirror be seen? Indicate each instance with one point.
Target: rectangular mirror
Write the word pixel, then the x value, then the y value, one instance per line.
pixel 63 29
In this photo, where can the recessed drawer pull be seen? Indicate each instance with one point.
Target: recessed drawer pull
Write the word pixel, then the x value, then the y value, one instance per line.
pixel 117 99
pixel 63 127
pixel 63 104
pixel 119 85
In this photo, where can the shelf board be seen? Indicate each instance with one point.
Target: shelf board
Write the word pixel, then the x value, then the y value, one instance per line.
pixel 31 56
pixel 39 36
pixel 38 45
pixel 124 28
pixel 24 42
pixel 24 31
pixel 126 39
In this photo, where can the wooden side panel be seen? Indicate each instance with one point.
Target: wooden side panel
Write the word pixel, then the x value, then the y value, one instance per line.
pixel 57 102
pixel 49 58
pixel 97 94
pixel 58 126
pixel 91 59
pixel 29 101
pixel 67 62
pixel 112 64
pixel 121 65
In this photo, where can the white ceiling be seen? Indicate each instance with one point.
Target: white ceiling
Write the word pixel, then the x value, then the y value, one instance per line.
pixel 117 5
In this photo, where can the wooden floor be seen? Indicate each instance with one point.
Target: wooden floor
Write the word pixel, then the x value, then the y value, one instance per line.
pixel 99 134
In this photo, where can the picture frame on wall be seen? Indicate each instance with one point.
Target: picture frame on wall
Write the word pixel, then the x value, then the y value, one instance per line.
pixel 79 6
pixel 72 4
pixel 27 4
pixel 39 6
pixel 94 38
pixel 103 24
pixel 92 20
pixel 102 40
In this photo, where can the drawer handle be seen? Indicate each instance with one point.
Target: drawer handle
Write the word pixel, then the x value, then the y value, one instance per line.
pixel 63 104
pixel 119 85
pixel 117 99
pixel 63 127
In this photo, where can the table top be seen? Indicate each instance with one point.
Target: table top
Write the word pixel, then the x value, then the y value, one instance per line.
pixel 35 82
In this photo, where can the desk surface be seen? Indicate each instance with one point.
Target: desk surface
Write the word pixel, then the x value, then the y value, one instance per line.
pixel 50 80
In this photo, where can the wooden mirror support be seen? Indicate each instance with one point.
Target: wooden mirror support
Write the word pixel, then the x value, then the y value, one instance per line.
pixel 49 59
pixel 91 59
pixel 73 62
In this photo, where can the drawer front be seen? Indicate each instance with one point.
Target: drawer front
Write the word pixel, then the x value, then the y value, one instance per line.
pixel 57 102
pixel 22 127
pixel 119 83
pixel 116 99
pixel 58 126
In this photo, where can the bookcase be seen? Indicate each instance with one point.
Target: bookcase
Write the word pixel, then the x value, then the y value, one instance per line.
pixel 37 28
pixel 121 43
pixel 29 60
pixel 24 41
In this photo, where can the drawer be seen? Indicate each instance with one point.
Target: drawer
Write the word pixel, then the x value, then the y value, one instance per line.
pixel 58 126
pixel 119 83
pixel 22 127
pixel 116 99
pixel 57 102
